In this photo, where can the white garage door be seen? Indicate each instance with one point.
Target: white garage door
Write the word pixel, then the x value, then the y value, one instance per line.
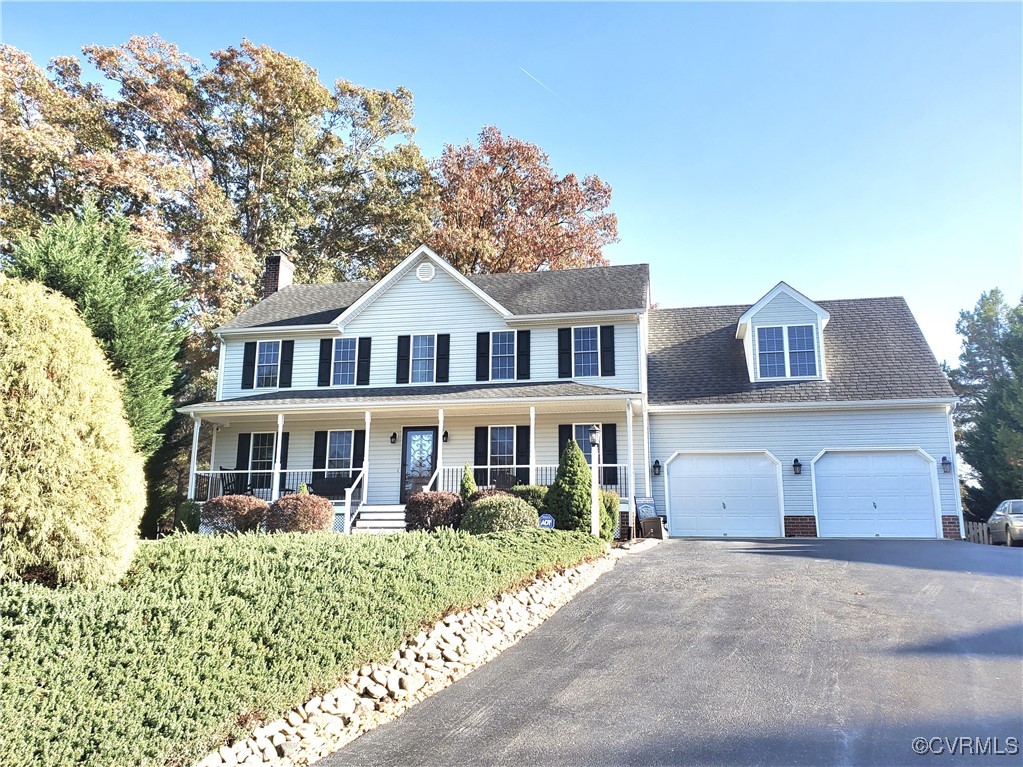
pixel 870 494
pixel 718 494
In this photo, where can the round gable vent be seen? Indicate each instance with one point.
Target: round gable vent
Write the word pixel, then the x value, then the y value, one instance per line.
pixel 425 271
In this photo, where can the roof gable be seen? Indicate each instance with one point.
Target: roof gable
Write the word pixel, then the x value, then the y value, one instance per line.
pixel 782 288
pixel 420 255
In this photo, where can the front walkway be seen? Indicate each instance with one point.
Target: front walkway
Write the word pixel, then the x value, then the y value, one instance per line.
pixel 734 652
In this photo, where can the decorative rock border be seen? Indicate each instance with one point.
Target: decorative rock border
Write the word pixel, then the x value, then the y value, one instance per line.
pixel 421 667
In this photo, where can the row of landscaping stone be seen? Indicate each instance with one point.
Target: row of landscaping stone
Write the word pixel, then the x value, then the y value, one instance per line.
pixel 421 667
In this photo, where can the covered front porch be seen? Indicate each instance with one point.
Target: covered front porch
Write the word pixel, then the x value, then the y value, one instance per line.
pixel 369 460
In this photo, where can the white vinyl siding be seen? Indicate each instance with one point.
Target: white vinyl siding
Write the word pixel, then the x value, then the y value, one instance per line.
pixel 802 435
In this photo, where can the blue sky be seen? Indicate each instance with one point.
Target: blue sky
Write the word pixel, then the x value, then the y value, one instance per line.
pixel 849 149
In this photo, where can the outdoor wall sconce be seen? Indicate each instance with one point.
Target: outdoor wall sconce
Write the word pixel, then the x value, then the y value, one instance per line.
pixel 657 468
pixel 394 437
pixel 445 437
pixel 797 467
pixel 946 465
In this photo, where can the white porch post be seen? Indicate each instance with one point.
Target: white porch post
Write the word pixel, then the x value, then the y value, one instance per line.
pixel 365 460
pixel 440 446
pixel 595 491
pixel 275 487
pixel 196 424
pixel 532 444
pixel 632 472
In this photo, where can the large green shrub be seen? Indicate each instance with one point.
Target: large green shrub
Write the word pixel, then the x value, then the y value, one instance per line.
pixel 71 485
pixel 209 634
pixel 432 510
pixel 610 510
pixel 499 512
pixel 468 485
pixel 235 513
pixel 300 513
pixel 534 495
pixel 568 499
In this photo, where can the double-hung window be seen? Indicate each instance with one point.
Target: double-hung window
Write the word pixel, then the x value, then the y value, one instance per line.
pixel 581 432
pixel 802 355
pixel 339 453
pixel 261 459
pixel 344 362
pixel 502 355
pixel 586 351
pixel 423 358
pixel 787 351
pixel 268 363
pixel 502 450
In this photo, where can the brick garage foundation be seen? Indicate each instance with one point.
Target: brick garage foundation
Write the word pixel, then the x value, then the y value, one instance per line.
pixel 950 527
pixel 801 527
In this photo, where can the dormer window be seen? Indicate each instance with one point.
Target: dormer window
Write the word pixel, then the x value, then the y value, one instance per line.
pixel 787 351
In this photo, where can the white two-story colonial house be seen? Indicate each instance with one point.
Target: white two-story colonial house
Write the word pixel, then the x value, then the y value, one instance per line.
pixel 785 417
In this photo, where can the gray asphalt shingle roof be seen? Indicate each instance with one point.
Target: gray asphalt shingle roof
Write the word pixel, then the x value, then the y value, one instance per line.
pixel 413 394
pixel 873 347
pixel 606 288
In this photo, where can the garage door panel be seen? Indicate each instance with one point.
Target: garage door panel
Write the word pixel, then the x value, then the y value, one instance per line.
pixel 874 494
pixel 746 485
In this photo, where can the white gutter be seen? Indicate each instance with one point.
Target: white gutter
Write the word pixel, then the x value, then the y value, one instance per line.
pixel 818 405
pixel 278 329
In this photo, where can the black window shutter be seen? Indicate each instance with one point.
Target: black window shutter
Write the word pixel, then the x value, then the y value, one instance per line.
pixel 564 437
pixel 241 463
pixel 287 360
pixel 609 451
pixel 404 358
pixel 326 362
pixel 319 455
pixel 607 350
pixel 481 454
pixel 483 356
pixel 358 448
pixel 443 357
pixel 249 365
pixel 522 454
pixel 522 352
pixel 284 460
pixel 362 356
pixel 564 352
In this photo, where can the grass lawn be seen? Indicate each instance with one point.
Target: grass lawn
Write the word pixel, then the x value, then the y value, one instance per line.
pixel 207 634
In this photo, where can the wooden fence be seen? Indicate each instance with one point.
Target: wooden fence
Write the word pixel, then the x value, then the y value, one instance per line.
pixel 977 532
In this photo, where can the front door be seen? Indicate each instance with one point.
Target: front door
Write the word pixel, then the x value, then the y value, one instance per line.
pixel 419 458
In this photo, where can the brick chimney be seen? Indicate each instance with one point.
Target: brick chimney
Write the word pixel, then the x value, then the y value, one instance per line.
pixel 278 273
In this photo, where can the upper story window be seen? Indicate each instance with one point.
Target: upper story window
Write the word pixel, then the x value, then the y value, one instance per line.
pixel 502 355
pixel 268 363
pixel 339 452
pixel 586 351
pixel 787 351
pixel 344 362
pixel 423 359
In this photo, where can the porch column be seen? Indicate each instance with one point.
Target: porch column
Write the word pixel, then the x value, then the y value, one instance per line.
pixel 275 487
pixel 632 472
pixel 440 446
pixel 532 444
pixel 196 424
pixel 365 460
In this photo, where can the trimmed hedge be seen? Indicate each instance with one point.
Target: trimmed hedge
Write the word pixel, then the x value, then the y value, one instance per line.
pixel 468 486
pixel 209 634
pixel 300 513
pixel 487 492
pixel 235 513
pixel 499 512
pixel 433 510
pixel 610 503
pixel 534 495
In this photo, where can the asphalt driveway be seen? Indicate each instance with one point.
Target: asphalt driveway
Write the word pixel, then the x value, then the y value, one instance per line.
pixel 813 652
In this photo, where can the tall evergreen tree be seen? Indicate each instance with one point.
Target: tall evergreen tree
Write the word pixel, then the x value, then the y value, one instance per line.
pixel 130 304
pixel 989 382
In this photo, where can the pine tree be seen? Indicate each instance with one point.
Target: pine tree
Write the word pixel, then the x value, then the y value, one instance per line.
pixel 568 499
pixel 131 305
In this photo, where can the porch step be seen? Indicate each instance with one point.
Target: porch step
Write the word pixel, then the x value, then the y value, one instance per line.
pixel 381 519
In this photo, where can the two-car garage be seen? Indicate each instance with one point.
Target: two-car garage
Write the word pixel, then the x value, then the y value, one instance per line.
pixel 855 493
